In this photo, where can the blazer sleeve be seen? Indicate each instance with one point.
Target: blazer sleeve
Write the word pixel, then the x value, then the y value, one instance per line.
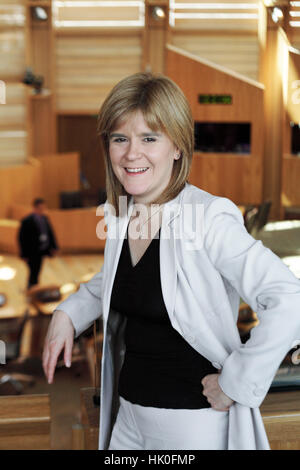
pixel 85 305
pixel 272 291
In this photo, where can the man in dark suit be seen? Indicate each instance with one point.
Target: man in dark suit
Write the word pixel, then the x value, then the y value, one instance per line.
pixel 36 240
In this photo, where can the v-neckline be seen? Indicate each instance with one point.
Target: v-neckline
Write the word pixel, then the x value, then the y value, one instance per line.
pixel 145 252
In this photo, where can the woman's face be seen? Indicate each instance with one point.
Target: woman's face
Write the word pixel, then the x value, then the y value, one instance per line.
pixel 142 159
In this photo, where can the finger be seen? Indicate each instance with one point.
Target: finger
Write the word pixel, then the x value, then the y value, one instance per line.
pixel 68 353
pixel 54 353
pixel 45 357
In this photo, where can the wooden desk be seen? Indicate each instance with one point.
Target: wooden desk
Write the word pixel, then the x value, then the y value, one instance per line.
pixel 25 422
pixel 8 235
pixel 46 308
pixel 281 416
pixel 75 229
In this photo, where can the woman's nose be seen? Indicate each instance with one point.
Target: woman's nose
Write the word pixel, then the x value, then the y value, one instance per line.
pixel 133 150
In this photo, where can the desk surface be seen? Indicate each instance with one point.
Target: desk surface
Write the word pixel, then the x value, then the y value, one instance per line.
pixel 61 270
pixel 281 403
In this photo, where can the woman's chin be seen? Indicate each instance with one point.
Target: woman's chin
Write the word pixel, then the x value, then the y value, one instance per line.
pixel 135 190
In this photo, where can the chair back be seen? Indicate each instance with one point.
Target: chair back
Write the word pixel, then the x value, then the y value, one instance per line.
pixel 250 217
pixel 263 214
pixel 11 330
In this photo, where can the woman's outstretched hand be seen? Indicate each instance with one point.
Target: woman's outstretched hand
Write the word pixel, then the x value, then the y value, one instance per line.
pixel 214 394
pixel 60 335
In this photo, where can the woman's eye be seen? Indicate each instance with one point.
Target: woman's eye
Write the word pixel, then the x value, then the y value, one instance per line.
pixel 151 139
pixel 118 139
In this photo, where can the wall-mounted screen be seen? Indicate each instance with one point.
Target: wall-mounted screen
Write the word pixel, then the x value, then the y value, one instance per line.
pixel 223 137
pixel 295 134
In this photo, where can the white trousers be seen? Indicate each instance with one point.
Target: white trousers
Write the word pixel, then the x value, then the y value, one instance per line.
pixel 147 428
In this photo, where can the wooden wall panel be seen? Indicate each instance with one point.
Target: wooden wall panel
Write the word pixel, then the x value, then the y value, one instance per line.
pixel 18 184
pixel 290 189
pixel 88 66
pixel 239 53
pixel 238 177
pixel 43 177
pixel 42 125
pixel 59 172
pixel 79 133
pixel 13 113
pixel 12 147
pixel 12 49
pixel 290 193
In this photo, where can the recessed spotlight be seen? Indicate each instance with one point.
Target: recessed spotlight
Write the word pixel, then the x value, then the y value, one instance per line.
pixel 277 14
pixel 40 13
pixel 158 13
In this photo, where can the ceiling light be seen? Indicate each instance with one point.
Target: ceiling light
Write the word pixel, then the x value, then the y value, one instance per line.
pixel 158 13
pixel 40 14
pixel 269 3
pixel 277 14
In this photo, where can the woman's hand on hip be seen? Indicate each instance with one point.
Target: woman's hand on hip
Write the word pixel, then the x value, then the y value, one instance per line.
pixel 214 394
pixel 60 335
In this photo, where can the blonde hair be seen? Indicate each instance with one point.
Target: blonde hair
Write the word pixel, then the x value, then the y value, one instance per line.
pixel 164 107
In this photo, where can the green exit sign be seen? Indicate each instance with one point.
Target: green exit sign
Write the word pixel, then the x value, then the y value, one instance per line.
pixel 215 99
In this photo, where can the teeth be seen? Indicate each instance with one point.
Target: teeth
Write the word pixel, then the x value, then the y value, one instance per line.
pixel 136 170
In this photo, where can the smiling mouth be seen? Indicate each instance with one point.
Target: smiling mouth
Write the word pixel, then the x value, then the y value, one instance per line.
pixel 136 171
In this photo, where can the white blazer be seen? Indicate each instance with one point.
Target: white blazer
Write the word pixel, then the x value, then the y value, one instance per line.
pixel 203 276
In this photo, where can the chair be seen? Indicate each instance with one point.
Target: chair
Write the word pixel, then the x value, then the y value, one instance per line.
pixel 256 217
pixel 250 217
pixel 11 331
pixel 263 214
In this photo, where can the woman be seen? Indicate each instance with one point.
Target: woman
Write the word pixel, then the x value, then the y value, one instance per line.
pixel 174 372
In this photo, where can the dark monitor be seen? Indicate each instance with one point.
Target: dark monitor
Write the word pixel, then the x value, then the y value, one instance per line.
pixel 295 134
pixel 70 200
pixel 223 137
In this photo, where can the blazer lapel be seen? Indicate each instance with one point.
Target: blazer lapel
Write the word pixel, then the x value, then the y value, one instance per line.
pixel 167 252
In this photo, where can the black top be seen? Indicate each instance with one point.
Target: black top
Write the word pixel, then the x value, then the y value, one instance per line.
pixel 160 368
